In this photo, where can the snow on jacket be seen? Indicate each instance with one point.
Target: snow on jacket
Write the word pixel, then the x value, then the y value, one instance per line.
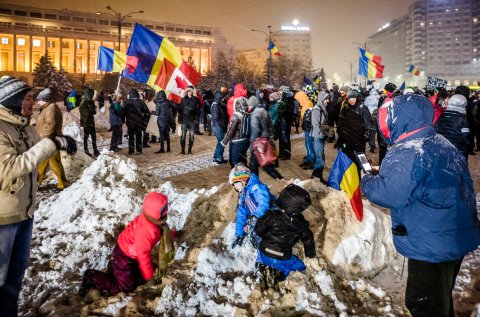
pixel 319 116
pixel 136 114
pixel 260 123
pixel 162 110
pixel 21 151
pixel 116 113
pixel 253 201
pixel 219 112
pixel 281 231
pixel 50 121
pixel 137 241
pixel 87 109
pixel 426 184
pixel 239 91
pixel 453 125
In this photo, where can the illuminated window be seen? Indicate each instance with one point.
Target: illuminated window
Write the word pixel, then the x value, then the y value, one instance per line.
pixel 4 61
pixel 51 44
pixel 21 42
pixel 4 40
pixel 21 61
pixel 79 46
pixel 36 43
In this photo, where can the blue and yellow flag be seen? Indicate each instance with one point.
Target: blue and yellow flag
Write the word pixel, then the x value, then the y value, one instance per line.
pixel 110 60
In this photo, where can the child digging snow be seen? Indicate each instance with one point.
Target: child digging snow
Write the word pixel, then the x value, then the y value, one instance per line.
pixel 130 264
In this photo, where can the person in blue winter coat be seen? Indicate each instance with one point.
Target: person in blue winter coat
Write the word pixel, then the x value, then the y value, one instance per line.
pixel 425 182
pixel 254 200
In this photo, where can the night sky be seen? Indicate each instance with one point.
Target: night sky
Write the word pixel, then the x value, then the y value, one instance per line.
pixel 334 24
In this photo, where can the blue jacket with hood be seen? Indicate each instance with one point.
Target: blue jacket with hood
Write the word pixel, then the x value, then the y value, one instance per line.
pixel 426 184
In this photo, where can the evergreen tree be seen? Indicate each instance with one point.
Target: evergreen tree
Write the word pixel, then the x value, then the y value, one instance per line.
pixel 46 75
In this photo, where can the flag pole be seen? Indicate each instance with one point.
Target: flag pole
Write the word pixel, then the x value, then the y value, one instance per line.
pixel 118 84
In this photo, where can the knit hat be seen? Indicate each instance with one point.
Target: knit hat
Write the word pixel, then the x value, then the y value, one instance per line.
pixel 240 173
pixel 45 95
pixel 12 92
pixel 133 94
pixel 352 94
pixel 293 199
pixel 253 102
pixel 155 205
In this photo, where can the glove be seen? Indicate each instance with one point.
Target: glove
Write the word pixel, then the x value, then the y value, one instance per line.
pixel 238 241
pixel 65 143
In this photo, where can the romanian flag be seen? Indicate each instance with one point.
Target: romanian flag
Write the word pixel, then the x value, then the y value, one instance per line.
pixel 414 70
pixel 272 48
pixel 344 175
pixel 110 60
pixel 370 65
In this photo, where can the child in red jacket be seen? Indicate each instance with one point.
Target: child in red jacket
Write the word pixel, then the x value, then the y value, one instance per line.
pixel 130 264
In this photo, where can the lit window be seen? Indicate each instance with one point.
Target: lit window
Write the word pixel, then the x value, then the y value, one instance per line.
pixel 475 20
pixel 422 24
pixel 36 43
pixel 474 50
pixel 4 40
pixel 431 23
pixel 21 42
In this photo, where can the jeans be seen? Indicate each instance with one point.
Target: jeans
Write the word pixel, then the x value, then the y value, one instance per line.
pixel 318 145
pixel 219 133
pixel 116 136
pixel 309 147
pixel 190 128
pixel 14 257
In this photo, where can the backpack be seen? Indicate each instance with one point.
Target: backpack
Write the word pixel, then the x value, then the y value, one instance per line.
pixel 245 127
pixel 324 127
pixel 307 119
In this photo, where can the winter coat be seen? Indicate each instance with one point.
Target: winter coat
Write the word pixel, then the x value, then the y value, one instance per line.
pixel 319 117
pixel 235 128
pixel 219 113
pixel 21 151
pixel 276 111
pixel 189 110
pixel 333 107
pixel 239 91
pixel 352 130
pixel 372 101
pixel 281 231
pixel 426 184
pixel 116 113
pixel 50 121
pixel 253 201
pixel 163 112
pixel 137 114
pixel 87 109
pixel 453 125
pixel 137 241
pixel 260 123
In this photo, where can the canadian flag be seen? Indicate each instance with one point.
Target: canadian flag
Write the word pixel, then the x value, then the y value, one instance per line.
pixel 175 80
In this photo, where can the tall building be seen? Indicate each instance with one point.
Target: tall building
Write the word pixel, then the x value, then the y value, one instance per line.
pixel 72 39
pixel 442 39
pixel 295 43
pixel 256 57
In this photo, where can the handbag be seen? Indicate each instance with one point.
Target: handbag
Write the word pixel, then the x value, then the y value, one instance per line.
pixel 264 151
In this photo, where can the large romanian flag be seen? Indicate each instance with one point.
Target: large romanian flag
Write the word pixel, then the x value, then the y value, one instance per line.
pixel 344 175
pixel 110 60
pixel 370 65
pixel 272 48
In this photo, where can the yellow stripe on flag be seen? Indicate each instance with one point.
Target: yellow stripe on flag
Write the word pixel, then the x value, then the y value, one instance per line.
pixel 119 61
pixel 350 181
pixel 167 51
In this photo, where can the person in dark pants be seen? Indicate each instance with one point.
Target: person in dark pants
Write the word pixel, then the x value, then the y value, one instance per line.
pixel 219 125
pixel 425 182
pixel 116 114
pixel 188 112
pixel 465 91
pixel 87 121
pixel 163 120
pixel 135 113
pixel 284 144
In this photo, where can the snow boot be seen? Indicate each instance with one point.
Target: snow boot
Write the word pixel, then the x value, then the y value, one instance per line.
pixel 162 150
pixel 183 148
pixel 319 174
pixel 168 145
pixel 190 148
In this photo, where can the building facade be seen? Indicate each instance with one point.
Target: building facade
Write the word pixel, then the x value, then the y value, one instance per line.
pixel 72 38
pixel 442 39
pixel 294 44
pixel 256 57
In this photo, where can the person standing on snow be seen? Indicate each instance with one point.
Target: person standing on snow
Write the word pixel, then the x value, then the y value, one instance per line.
pixel 164 116
pixel 188 112
pixel 219 125
pixel 131 264
pixel 238 133
pixel 425 182
pixel 50 123
pixel 306 119
pixel 372 104
pixel 87 121
pixel 21 152
pixel 319 135
pixel 136 114
pixel 116 118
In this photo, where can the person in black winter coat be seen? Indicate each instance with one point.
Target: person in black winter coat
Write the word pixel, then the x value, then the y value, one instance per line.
pixel 136 116
pixel 87 120
pixel 164 116
pixel 280 229
pixel 465 91
pixel 284 144
pixel 188 113
pixel 219 125
pixel 353 126
pixel 453 124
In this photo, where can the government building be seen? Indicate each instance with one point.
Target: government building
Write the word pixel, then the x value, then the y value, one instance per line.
pixel 72 39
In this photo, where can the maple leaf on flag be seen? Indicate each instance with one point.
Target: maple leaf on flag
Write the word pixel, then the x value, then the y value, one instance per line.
pixel 181 83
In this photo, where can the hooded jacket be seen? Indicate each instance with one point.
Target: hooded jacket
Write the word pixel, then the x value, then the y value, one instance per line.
pixel 189 109
pixel 50 121
pixel 87 109
pixel 136 111
pixel 21 151
pixel 319 116
pixel 236 126
pixel 219 112
pixel 239 91
pixel 162 109
pixel 260 122
pixel 352 128
pixel 426 184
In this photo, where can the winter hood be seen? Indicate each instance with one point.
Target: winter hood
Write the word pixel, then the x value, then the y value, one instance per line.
pixel 239 91
pixel 457 103
pixel 405 117
pixel 321 97
pixel 88 93
pixel 161 96
pixel 218 97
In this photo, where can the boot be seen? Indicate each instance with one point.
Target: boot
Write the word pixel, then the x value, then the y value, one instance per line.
pixel 162 150
pixel 183 148
pixel 190 148
pixel 168 145
pixel 319 174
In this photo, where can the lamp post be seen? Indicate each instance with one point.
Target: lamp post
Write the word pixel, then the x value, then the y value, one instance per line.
pixel 119 18
pixel 270 59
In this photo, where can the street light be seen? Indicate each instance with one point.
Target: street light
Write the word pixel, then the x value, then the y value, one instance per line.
pixel 270 60
pixel 119 18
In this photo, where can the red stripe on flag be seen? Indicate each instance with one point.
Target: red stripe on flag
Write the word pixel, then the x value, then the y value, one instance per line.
pixel 165 73
pixel 377 59
pixel 357 205
pixel 379 73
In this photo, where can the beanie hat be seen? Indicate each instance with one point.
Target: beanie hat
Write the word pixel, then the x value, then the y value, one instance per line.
pixel 352 94
pixel 240 104
pixel 133 94
pixel 390 87
pixel 293 199
pixel 239 173
pixel 155 205
pixel 45 95
pixel 253 102
pixel 12 92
